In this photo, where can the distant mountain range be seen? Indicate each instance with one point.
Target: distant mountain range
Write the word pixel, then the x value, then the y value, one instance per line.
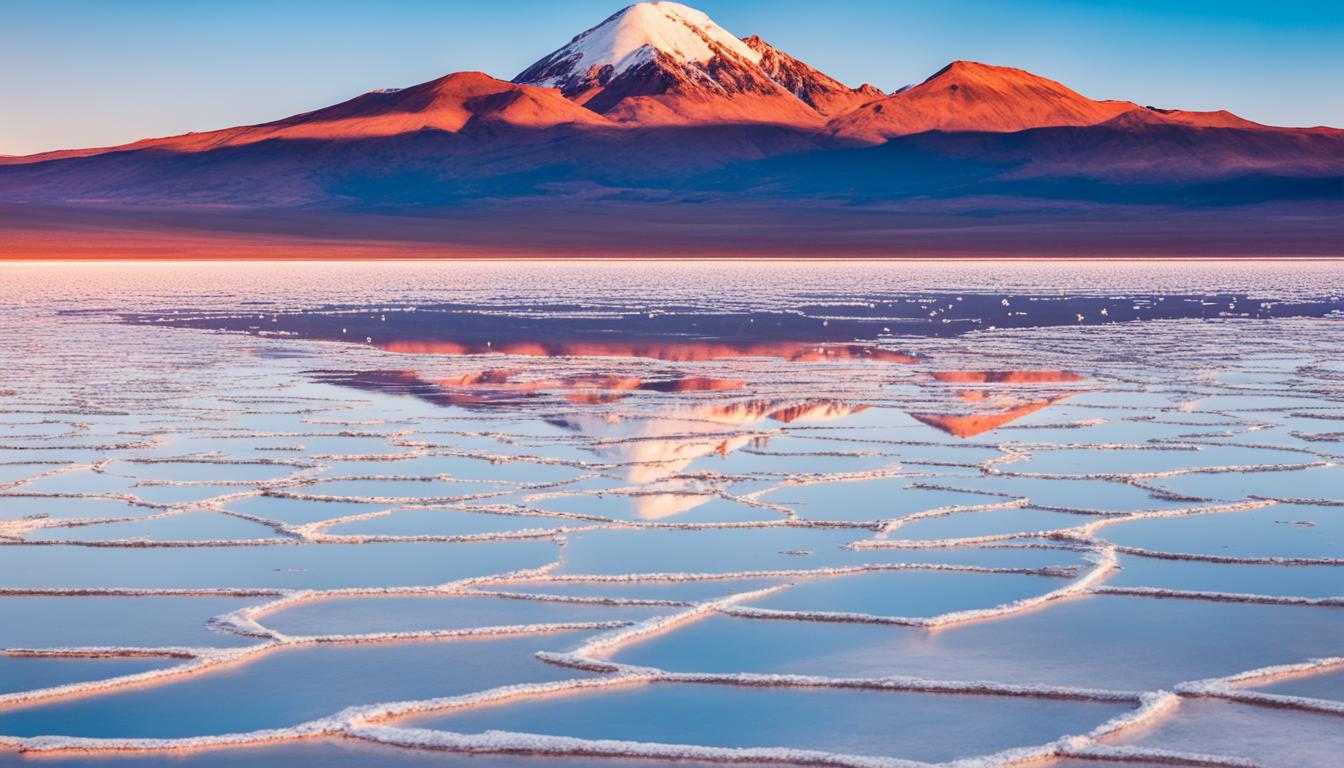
pixel 657 132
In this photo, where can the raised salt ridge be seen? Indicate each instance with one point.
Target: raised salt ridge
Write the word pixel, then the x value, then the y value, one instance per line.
pixel 416 524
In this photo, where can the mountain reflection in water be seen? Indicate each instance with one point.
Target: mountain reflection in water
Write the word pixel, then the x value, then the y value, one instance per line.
pixel 660 441
pixel 731 379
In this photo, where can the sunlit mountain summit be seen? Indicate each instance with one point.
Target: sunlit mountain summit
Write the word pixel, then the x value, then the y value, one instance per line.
pixel 659 120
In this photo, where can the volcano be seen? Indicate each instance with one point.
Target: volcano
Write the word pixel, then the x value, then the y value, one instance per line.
pixel 664 63
pixel 658 132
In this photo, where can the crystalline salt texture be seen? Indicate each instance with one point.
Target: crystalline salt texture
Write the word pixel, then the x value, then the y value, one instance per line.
pixel 1178 428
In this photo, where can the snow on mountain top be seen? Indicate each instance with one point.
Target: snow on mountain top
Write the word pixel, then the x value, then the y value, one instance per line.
pixel 629 37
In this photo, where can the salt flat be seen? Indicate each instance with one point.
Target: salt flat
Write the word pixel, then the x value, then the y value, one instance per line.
pixel 724 512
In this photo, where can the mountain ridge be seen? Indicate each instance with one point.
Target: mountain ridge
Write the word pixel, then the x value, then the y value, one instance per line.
pixel 659 111
pixel 663 63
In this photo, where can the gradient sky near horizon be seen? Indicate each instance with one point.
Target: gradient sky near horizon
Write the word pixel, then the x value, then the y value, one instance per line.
pixel 78 73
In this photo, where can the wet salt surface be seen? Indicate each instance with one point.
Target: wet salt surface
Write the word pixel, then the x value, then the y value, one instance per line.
pixel 677 504
pixel 298 511
pixel 449 522
pixel 21 674
pixel 907 593
pixel 289 687
pixel 1283 530
pixel 187 526
pixel 1121 643
pixel 401 614
pixel 911 725
pixel 329 566
pixel 1328 685
pixel 52 622
pixel 338 753
pixel 1269 737
pixel 729 550
pixel 679 591
pixel 16 506
pixel 404 489
pixel 1317 483
pixel 1307 580
pixel 872 500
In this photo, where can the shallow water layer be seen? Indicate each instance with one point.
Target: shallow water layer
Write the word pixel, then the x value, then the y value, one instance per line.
pixel 1270 737
pixel 1113 642
pixel 582 514
pixel 910 725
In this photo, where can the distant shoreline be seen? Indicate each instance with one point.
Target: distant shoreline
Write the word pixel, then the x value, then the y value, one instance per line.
pixel 679 259
pixel 606 231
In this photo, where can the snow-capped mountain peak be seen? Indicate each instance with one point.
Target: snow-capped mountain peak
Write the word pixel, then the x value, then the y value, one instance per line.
pixel 663 63
pixel 631 37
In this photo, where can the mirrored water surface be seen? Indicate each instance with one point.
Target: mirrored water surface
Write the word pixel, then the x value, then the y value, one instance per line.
pixel 581 514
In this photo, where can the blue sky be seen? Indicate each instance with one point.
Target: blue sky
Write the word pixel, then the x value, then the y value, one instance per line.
pixel 89 73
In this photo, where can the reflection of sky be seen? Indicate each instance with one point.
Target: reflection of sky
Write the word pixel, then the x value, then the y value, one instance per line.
pixel 1158 396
